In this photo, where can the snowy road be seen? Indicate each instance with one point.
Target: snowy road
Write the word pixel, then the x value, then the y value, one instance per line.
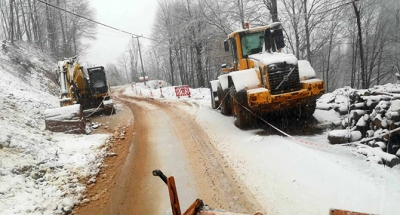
pixel 288 177
pixel 169 139
pixel 243 171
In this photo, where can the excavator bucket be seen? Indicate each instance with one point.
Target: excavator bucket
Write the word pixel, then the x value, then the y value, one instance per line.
pixel 68 119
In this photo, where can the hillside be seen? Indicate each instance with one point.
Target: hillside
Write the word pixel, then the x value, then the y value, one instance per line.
pixel 37 167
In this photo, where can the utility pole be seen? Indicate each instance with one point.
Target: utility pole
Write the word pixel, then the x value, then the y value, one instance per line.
pixel 141 61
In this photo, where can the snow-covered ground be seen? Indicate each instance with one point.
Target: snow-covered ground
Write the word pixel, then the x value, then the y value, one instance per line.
pixel 41 172
pixel 302 176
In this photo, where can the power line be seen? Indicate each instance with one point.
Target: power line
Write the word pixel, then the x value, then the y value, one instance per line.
pixel 94 21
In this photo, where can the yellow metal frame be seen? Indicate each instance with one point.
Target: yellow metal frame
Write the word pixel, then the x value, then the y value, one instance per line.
pixel 266 102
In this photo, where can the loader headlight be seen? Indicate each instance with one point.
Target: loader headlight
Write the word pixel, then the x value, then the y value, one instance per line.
pixel 272 67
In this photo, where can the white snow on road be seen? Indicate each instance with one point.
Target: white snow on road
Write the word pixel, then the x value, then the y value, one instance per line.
pixel 291 177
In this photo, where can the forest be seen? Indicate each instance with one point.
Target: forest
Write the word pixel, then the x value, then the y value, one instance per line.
pixel 59 33
pixel 349 43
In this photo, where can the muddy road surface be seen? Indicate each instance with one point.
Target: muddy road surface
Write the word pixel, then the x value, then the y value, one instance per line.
pixel 166 138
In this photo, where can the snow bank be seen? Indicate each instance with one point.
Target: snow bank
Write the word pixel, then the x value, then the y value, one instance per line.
pixel 377 155
pixel 40 171
pixel 46 173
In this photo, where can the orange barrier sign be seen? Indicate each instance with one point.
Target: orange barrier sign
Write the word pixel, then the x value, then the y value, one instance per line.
pixel 182 91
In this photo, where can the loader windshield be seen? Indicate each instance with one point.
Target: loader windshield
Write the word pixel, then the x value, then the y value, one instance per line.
pixel 252 43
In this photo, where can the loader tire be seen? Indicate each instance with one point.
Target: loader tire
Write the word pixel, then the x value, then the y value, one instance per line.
pixel 214 103
pixel 308 110
pixel 243 118
pixel 225 101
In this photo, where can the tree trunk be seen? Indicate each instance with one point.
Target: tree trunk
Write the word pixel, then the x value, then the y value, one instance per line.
pixel 19 33
pixel 191 66
pixel 178 54
pixel 5 26
pixel 328 62
pixel 273 9
pixel 34 26
pixel 354 62
pixel 25 24
pixel 296 31
pixel 171 62
pixel 306 20
pixel 64 45
pixel 39 34
pixel 379 69
pixel 199 67
pixel 241 12
pixel 363 75
pixel 11 22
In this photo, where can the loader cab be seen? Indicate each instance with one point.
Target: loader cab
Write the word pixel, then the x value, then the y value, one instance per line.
pixel 246 42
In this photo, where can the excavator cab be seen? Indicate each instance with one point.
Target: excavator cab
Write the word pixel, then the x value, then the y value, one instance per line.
pixel 98 81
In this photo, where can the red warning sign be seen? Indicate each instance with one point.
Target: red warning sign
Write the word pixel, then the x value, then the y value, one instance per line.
pixel 182 91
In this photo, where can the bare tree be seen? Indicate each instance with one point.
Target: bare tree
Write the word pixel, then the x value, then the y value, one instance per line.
pixel 273 9
pixel 190 33
pixel 11 37
pixel 133 52
pixel 49 27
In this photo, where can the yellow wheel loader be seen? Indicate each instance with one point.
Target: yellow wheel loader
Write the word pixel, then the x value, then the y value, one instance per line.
pixel 263 80
pixel 79 95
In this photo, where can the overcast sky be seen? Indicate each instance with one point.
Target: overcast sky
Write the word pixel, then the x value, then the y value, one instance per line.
pixel 134 16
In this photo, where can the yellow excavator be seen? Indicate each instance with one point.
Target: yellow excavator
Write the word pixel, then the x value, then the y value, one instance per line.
pixel 80 95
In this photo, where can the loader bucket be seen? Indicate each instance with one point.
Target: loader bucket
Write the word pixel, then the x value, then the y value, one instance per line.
pixel 68 119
